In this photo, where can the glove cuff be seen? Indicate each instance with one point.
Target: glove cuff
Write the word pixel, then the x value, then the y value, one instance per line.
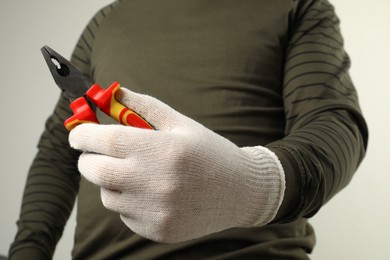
pixel 266 186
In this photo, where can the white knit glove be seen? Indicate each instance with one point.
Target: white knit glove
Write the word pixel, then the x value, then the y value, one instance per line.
pixel 182 181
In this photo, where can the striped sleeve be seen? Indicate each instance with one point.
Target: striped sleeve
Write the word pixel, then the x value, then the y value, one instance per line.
pixel 326 135
pixel 50 191
pixel 53 179
pixel 83 49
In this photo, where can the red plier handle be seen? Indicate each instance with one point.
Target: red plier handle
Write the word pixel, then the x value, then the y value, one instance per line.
pixel 105 100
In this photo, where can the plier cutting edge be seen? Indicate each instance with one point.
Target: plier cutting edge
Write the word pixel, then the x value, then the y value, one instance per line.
pixel 84 94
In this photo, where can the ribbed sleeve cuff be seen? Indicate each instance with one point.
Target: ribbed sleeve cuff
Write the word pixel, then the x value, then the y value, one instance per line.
pixel 292 203
pixel 30 253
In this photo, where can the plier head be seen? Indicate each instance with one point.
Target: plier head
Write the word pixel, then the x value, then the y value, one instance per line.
pixel 68 77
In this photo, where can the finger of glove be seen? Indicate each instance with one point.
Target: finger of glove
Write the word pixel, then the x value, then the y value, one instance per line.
pixel 112 200
pixel 105 171
pixel 133 175
pixel 135 214
pixel 136 205
pixel 141 215
pixel 157 113
pixel 113 140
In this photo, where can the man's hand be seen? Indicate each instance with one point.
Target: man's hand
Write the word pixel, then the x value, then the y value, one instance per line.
pixel 181 181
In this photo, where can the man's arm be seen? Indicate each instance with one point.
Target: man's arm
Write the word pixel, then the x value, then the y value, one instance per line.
pixel 326 135
pixel 50 191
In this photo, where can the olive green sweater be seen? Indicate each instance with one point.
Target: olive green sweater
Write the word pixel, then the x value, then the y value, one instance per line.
pixel 258 72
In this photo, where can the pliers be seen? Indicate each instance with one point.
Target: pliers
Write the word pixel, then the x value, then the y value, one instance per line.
pixel 84 94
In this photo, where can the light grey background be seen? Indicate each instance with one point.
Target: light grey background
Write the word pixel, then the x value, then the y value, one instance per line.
pixel 354 225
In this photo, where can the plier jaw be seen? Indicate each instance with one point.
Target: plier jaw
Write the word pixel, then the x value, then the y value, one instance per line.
pixel 84 94
pixel 68 77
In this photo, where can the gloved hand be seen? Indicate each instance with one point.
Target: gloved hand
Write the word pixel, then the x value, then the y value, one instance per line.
pixel 180 182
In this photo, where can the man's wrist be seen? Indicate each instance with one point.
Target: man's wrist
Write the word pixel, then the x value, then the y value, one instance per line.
pixel 288 208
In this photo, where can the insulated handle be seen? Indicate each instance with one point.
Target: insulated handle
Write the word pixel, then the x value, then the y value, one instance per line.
pixel 105 100
pixel 82 114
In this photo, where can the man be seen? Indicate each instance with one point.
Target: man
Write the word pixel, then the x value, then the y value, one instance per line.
pixel 258 125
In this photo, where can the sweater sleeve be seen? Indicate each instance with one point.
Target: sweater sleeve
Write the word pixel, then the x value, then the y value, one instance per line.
pixel 53 179
pixel 326 134
pixel 50 191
